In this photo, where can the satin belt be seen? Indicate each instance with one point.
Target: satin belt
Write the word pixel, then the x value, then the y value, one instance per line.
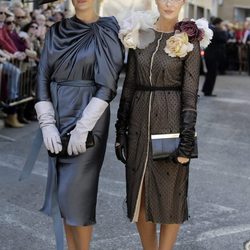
pixel 54 211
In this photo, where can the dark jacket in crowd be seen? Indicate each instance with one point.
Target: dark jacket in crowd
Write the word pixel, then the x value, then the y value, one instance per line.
pixel 218 44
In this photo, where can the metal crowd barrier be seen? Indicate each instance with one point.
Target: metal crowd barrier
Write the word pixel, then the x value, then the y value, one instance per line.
pixel 24 89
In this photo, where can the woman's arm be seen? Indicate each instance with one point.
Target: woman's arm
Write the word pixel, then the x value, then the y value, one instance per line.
pixel 127 92
pixel 44 72
pixel 189 98
pixel 124 108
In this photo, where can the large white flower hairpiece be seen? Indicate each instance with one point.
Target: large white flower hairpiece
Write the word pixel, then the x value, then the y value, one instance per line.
pixel 136 30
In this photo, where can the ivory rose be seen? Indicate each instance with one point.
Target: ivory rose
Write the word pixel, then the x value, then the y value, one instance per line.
pixel 178 45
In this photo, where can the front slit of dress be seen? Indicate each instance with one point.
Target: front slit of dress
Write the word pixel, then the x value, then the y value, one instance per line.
pixel 138 201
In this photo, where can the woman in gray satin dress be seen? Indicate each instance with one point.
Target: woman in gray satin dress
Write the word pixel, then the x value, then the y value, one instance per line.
pixel 77 78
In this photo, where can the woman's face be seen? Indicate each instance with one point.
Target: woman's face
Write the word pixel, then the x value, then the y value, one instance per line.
pixel 81 5
pixel 33 29
pixel 41 19
pixel 170 9
pixel 10 23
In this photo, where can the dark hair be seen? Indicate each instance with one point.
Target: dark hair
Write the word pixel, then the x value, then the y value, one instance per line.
pixel 27 26
pixel 60 13
pixel 217 20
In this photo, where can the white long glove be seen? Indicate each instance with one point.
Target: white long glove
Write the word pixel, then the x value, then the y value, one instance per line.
pixel 46 118
pixel 90 116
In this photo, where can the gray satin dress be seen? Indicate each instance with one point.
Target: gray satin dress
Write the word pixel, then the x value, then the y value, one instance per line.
pixel 79 61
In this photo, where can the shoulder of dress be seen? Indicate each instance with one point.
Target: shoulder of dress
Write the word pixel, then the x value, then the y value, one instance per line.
pixel 54 26
pixel 136 29
pixel 197 30
pixel 109 22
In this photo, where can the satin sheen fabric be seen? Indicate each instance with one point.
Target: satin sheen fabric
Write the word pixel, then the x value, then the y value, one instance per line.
pixel 75 54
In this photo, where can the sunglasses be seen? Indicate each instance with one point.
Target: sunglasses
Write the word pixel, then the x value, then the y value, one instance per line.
pixel 34 27
pixel 10 22
pixel 20 17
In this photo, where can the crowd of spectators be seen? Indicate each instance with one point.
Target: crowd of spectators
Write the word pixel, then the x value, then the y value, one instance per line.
pixel 22 35
pixel 237 31
pixel 237 47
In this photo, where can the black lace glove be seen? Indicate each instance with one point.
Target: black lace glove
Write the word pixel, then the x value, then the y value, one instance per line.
pixel 121 148
pixel 121 131
pixel 187 133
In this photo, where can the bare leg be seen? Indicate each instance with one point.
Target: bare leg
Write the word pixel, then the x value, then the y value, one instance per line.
pixel 147 230
pixel 69 237
pixel 168 236
pixel 82 237
pixel 78 238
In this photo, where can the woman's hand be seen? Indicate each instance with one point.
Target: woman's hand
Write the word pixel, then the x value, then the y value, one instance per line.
pixel 121 147
pixel 182 160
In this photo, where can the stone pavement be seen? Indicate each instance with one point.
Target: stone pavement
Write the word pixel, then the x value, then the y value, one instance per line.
pixel 219 193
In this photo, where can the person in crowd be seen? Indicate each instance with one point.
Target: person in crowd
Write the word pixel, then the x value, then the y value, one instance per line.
pixel 48 14
pixel 11 30
pixel 35 13
pixel 213 55
pixel 11 88
pixel 29 32
pixel 20 18
pixel 82 57
pixel 5 41
pixel 246 37
pixel 239 33
pixel 58 16
pixel 229 29
pixel 159 97
pixel 41 21
pixel 9 52
pixel 33 51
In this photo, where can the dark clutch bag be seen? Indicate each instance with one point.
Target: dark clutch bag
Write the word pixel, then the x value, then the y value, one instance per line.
pixel 65 142
pixel 165 145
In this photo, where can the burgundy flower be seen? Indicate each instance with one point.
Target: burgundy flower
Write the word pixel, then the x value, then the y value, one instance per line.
pixel 191 29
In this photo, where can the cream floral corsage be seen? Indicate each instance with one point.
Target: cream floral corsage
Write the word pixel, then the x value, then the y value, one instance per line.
pixel 186 32
pixel 178 45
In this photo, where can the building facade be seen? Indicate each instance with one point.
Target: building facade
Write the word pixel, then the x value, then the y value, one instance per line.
pixel 200 8
pixel 234 10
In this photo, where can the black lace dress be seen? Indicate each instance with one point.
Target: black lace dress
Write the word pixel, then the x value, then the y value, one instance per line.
pixel 158 112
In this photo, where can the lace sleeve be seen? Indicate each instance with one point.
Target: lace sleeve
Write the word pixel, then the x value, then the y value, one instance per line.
pixel 127 92
pixel 191 79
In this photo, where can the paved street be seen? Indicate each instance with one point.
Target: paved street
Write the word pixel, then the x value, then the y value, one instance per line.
pixel 219 193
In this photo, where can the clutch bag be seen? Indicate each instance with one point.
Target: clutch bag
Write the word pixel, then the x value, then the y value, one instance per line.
pixel 164 145
pixel 65 141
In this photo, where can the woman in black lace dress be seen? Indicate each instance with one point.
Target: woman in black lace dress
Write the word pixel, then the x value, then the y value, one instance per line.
pixel 159 97
pixel 77 79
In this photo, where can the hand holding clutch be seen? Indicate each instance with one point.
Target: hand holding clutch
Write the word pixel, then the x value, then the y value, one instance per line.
pixel 91 114
pixel 51 139
pixel 77 142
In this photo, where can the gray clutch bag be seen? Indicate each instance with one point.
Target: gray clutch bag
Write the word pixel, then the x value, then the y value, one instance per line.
pixel 164 145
